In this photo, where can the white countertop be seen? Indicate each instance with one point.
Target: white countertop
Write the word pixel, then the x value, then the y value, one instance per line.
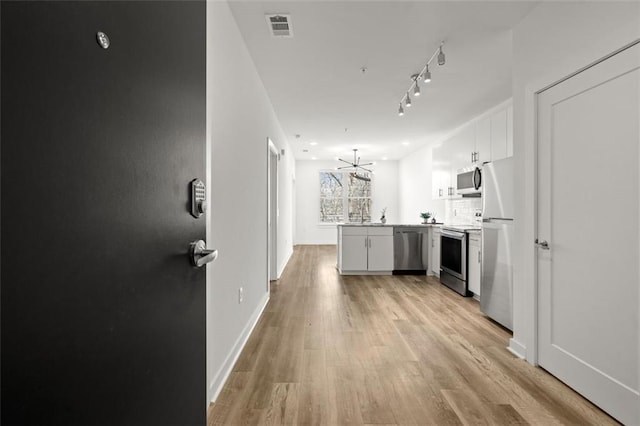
pixel 396 225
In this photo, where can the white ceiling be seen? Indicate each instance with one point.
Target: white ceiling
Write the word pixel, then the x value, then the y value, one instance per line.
pixel 315 83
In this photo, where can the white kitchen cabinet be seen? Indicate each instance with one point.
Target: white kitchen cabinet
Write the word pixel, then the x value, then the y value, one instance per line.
pixel 435 251
pixel 436 157
pixel 354 252
pixel 462 148
pixel 441 173
pixel 499 135
pixel 483 141
pixel 475 261
pixel 365 249
pixel 380 254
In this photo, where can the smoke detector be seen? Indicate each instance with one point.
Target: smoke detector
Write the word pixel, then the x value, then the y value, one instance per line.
pixel 280 25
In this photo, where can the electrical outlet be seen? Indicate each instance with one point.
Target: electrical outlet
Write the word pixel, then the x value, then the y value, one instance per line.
pixel 240 295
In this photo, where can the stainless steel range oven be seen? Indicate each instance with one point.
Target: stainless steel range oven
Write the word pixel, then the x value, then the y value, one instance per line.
pixel 453 260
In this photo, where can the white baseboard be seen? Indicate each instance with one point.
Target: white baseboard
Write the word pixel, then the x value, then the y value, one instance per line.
pixel 284 263
pixel 517 348
pixel 364 272
pixel 221 376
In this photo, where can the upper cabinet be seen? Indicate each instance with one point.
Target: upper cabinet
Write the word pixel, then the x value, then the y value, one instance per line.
pixel 463 148
pixel 482 140
pixel 441 173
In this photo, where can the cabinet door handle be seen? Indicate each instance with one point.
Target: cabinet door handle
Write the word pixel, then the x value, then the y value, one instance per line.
pixel 479 256
pixel 369 242
pixel 365 242
pixel 439 192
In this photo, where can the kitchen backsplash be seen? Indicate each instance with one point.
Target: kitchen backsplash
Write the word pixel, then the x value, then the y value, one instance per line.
pixel 463 211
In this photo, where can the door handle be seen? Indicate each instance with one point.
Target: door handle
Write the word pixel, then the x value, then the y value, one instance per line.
pixel 200 255
pixel 542 244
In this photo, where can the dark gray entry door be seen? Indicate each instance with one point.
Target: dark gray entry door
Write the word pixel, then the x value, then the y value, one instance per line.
pixel 103 317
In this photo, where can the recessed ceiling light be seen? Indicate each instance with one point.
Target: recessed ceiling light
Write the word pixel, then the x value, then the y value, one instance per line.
pixel 313 143
pixel 384 158
pixel 406 143
pixel 313 158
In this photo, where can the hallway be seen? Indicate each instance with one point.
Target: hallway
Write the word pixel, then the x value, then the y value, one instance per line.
pixel 384 350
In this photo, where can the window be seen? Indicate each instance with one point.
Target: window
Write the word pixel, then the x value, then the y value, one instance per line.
pixel 344 197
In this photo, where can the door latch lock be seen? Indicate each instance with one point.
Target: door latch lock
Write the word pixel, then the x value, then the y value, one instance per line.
pixel 542 244
pixel 198 198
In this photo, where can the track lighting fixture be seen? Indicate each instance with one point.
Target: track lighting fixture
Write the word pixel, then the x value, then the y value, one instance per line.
pixel 425 75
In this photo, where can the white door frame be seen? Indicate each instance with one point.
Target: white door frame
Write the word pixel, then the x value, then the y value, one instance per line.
pixel 529 298
pixel 272 212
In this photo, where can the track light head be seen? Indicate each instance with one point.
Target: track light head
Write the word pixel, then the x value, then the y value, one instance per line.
pixel 441 57
pixel 400 110
pixel 416 90
pixel 427 74
pixel 408 101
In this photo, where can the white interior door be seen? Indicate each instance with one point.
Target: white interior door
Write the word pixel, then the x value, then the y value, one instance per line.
pixel 272 215
pixel 588 212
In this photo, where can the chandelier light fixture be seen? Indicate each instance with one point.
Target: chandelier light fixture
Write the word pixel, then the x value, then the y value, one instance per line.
pixel 424 75
pixel 356 166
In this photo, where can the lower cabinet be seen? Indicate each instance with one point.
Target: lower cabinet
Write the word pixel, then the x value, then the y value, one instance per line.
pixel 365 249
pixel 475 262
pixel 354 252
pixel 435 251
pixel 380 254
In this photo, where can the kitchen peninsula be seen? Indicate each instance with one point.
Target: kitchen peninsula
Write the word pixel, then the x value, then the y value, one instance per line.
pixel 385 249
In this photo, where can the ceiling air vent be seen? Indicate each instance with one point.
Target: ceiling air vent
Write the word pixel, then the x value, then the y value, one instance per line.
pixel 280 25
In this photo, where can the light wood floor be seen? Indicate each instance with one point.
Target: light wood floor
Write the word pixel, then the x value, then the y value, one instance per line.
pixel 384 350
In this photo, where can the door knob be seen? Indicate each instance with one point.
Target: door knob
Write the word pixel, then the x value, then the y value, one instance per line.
pixel 200 255
pixel 542 244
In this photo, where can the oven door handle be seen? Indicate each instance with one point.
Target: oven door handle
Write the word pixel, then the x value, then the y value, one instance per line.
pixel 455 235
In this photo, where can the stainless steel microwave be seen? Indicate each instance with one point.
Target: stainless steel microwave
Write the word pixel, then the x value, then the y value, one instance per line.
pixel 469 181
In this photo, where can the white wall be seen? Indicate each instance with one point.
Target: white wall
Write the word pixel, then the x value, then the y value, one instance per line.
pixel 240 118
pixel 554 40
pixel 308 229
pixel 415 188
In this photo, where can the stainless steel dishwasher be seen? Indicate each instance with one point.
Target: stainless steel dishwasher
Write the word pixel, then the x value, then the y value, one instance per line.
pixel 410 250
